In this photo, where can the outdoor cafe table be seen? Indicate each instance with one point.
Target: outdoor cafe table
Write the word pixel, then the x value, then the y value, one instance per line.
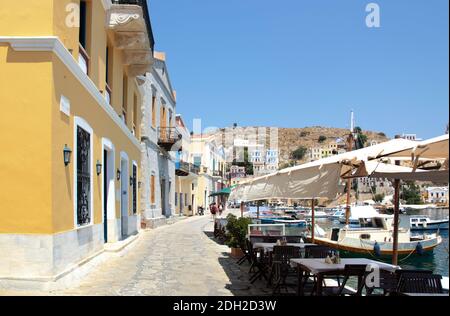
pixel 268 246
pixel 318 266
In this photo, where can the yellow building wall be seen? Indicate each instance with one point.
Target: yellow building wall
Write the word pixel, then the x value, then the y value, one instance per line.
pixel 25 129
pixel 36 188
pixel 84 106
pixel 184 185
pixel 26 18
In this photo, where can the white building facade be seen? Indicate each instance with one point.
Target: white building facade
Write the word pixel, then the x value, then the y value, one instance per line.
pixel 160 142
pixel 437 195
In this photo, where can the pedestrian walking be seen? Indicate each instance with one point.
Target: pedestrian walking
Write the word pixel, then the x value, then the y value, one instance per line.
pixel 220 210
pixel 213 210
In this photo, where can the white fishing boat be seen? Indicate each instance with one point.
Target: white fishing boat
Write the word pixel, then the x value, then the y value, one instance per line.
pixel 425 223
pixel 290 222
pixel 357 212
pixel 317 214
pixel 338 214
pixel 417 207
pixel 374 237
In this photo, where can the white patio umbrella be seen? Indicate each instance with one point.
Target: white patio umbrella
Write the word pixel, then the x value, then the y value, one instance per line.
pixel 434 148
pixel 376 169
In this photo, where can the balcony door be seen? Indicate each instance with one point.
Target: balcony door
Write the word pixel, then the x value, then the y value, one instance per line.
pixel 163 196
pixel 162 122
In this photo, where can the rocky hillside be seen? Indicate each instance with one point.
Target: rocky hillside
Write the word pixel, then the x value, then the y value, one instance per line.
pixel 289 139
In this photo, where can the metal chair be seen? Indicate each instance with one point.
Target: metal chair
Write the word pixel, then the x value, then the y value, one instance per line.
pixel 310 253
pixel 280 267
pixel 413 282
pixel 293 239
pixel 317 251
pixel 270 239
pixel 246 255
pixel 387 285
pixel 351 270
pixel 259 265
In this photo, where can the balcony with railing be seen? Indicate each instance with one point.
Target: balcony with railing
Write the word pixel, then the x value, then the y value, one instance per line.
pixel 182 168
pixel 194 169
pixel 169 138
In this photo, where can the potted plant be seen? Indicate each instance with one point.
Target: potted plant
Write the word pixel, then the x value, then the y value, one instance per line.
pixel 236 234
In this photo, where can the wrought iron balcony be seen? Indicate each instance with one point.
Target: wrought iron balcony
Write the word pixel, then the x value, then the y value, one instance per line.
pixel 169 139
pixel 182 168
pixel 194 169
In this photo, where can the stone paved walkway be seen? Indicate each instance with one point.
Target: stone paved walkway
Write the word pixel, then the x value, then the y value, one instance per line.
pixel 178 259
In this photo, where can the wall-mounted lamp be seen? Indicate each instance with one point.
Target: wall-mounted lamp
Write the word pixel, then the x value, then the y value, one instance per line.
pixel 99 167
pixel 118 174
pixel 67 153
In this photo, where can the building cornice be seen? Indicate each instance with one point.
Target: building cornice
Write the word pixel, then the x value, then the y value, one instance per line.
pixel 161 83
pixel 107 4
pixel 53 44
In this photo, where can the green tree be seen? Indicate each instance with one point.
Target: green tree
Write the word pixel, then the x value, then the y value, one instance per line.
pixel 299 153
pixel 411 194
pixel 361 139
pixel 322 138
pixel 246 163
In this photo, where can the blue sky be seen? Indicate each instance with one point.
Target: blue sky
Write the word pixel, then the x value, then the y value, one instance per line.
pixel 296 63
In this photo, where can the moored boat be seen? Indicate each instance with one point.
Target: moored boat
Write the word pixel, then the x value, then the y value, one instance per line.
pixel 425 223
pixel 317 214
pixel 374 237
pixel 357 212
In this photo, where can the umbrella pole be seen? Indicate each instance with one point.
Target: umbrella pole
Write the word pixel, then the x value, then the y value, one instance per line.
pixel 313 224
pixel 242 209
pixel 347 208
pixel 396 221
pixel 257 210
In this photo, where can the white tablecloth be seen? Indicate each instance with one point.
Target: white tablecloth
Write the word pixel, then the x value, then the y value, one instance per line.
pixel 318 265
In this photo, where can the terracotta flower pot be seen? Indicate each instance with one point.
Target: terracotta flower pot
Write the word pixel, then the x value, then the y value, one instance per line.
pixel 236 253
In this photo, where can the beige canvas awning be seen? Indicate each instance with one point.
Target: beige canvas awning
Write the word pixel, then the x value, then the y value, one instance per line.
pixel 320 179
pixel 301 183
pixel 377 169
pixel 433 148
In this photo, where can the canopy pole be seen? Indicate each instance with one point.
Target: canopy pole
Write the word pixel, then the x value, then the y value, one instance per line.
pixel 242 209
pixel 257 210
pixel 347 208
pixel 396 218
pixel 313 221
pixel 349 181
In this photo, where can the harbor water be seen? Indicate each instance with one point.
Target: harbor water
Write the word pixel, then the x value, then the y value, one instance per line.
pixel 437 261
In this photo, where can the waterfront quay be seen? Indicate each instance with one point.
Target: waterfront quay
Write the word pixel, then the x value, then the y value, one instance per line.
pixel 181 259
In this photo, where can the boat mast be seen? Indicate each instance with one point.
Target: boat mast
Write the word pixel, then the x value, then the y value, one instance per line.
pixel 350 140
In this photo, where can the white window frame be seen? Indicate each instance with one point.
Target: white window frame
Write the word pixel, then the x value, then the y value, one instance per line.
pixel 80 122
pixel 109 146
